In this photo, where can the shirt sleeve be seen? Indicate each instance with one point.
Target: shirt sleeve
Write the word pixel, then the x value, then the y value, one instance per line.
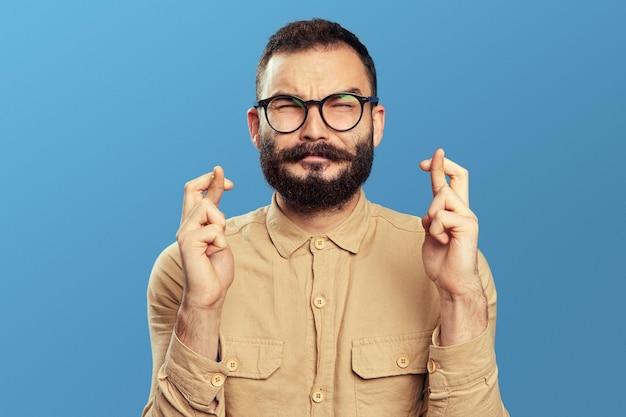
pixel 183 382
pixel 463 379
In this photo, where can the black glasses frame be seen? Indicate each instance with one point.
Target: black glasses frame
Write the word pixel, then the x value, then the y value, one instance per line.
pixel 320 103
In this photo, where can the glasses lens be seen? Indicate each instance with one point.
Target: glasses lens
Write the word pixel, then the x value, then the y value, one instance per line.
pixel 342 111
pixel 285 114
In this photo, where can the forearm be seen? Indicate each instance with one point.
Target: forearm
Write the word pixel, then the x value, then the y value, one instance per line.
pixel 198 329
pixel 462 318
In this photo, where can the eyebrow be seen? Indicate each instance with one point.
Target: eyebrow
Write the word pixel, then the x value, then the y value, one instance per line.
pixel 354 90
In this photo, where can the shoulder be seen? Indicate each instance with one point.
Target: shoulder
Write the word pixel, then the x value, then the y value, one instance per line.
pixel 166 279
pixel 397 235
pixel 394 219
pixel 237 224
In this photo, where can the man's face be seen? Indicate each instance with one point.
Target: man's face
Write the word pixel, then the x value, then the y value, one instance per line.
pixel 315 167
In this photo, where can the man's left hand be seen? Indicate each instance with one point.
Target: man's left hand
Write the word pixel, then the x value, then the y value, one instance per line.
pixel 450 251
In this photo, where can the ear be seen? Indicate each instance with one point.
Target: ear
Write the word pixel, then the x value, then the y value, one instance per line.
pixel 378 121
pixel 253 126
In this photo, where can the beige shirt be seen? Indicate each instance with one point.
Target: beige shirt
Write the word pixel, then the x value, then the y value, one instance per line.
pixel 341 324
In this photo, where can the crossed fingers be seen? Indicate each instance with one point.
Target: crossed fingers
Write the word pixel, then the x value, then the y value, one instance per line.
pixel 449 210
pixel 440 168
pixel 202 223
pixel 210 186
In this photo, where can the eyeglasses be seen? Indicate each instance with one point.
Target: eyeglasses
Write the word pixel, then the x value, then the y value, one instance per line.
pixel 340 111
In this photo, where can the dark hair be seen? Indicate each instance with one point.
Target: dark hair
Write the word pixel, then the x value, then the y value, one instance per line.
pixel 306 34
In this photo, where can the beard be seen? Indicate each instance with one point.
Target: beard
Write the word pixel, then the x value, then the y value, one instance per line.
pixel 313 193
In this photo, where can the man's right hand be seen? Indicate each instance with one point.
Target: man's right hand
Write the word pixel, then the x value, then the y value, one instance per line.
pixel 208 264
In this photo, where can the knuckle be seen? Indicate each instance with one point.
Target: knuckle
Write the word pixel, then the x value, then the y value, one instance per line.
pixel 472 223
pixel 181 237
pixel 475 223
pixel 439 215
pixel 435 215
pixel 221 221
pixel 189 185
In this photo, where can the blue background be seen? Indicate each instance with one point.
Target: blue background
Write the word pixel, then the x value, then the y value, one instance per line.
pixel 107 108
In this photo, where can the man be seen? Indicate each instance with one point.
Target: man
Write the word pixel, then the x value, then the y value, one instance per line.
pixel 323 303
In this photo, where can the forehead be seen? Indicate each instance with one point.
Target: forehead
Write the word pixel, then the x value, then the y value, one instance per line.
pixel 315 73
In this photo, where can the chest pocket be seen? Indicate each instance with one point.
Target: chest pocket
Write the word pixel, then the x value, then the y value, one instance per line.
pixel 252 362
pixel 391 374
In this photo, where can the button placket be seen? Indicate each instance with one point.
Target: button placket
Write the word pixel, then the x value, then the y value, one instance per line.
pixel 324 269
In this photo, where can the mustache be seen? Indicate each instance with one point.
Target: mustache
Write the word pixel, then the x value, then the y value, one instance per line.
pixel 321 149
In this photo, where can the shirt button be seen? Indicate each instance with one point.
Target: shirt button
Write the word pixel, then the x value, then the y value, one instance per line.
pixel 217 380
pixel 432 366
pixel 402 362
pixel 232 365
pixel 318 396
pixel 319 243
pixel 319 301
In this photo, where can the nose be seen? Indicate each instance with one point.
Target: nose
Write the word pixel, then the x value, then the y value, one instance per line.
pixel 314 127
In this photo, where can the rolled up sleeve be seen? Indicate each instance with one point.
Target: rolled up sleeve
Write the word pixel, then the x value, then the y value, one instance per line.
pixel 463 379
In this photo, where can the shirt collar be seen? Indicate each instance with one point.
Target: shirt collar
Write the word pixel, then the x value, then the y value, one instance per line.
pixel 287 237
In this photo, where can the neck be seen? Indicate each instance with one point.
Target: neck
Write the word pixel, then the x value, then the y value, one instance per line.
pixel 319 221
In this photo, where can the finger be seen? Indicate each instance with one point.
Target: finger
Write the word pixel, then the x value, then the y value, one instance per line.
pixel 203 230
pixel 196 189
pixel 447 199
pixel 459 176
pixel 446 225
pixel 204 213
pixel 209 239
pixel 216 187
pixel 437 173
pixel 194 193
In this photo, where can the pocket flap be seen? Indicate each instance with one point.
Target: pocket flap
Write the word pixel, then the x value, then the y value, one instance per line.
pixel 393 355
pixel 252 358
